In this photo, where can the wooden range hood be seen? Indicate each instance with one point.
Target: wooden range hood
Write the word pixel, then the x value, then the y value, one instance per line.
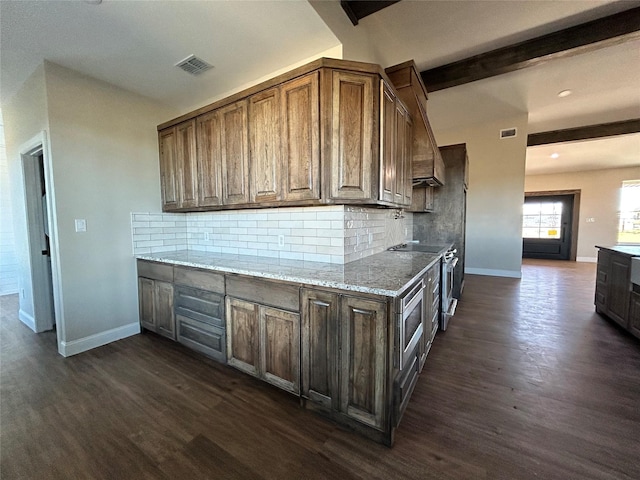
pixel 427 164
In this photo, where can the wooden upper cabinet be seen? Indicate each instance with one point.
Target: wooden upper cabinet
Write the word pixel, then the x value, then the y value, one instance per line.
pixel 234 153
pixel 168 169
pixel 353 163
pixel 209 160
pixel 427 162
pixel 387 144
pixel 187 164
pixel 265 157
pixel 300 112
pixel 408 155
pixel 323 135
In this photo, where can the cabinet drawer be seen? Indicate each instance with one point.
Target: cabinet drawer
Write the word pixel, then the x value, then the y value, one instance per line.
pixel 203 280
pixel 265 292
pixel 202 337
pixel 207 307
pixel 156 271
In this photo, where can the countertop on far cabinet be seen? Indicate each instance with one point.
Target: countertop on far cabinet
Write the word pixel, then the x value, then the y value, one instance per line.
pixel 630 250
pixel 386 273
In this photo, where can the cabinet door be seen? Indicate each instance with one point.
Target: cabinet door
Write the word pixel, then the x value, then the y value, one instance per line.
pixel 301 138
pixel 280 348
pixel 146 295
pixel 602 281
pixel 168 169
pixel 265 156
pixel 634 314
pixel 163 309
pixel 407 157
pixel 618 298
pixel 187 164
pixel 319 346
pixel 235 153
pixel 400 155
pixel 209 160
pixel 363 360
pixel 243 335
pixel 387 144
pixel 352 136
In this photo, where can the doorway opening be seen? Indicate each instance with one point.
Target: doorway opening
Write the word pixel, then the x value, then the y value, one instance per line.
pixel 37 198
pixel 550 225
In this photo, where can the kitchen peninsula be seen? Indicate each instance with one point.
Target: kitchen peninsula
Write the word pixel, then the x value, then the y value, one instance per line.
pixel 279 204
pixel 332 334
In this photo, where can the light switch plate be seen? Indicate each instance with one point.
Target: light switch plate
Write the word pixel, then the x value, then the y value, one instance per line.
pixel 81 225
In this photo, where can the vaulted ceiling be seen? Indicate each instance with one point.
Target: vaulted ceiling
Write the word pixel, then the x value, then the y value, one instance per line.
pixel 135 45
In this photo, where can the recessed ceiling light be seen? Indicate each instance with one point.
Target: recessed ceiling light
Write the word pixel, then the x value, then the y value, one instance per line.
pixel 555 155
pixel 564 93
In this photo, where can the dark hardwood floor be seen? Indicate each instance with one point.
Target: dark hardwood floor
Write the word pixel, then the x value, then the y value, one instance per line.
pixel 527 383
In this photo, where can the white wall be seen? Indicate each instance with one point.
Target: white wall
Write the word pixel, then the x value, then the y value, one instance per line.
pixel 25 116
pixel 104 153
pixel 495 196
pixel 8 257
pixel 599 199
pixel 357 42
pixel 104 157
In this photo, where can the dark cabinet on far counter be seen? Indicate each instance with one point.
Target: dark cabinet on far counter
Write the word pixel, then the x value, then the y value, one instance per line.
pixel 616 296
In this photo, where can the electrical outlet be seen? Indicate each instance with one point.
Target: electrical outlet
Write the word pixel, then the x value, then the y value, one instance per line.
pixel 81 225
pixel 281 240
pixel 370 238
pixel 591 220
pixel 206 236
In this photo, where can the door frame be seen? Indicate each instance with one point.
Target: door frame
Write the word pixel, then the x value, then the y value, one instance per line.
pixel 42 318
pixel 575 221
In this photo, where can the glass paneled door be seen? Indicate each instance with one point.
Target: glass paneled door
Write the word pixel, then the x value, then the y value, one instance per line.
pixel 546 227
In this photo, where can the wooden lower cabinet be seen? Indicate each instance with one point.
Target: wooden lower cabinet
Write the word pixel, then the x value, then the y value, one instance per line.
pixel 363 360
pixel 615 296
pixel 264 342
pixel 320 346
pixel 344 355
pixel 634 313
pixel 432 312
pixel 155 294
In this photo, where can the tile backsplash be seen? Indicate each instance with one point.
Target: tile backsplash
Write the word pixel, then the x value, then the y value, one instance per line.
pixel 333 234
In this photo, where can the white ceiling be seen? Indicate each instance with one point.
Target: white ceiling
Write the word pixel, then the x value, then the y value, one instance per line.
pixel 135 44
pixel 608 152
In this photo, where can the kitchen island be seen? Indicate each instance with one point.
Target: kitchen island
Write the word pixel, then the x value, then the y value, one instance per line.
pixel 617 288
pixel 350 340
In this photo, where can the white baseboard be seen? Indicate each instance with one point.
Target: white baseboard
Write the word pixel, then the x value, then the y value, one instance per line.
pixel 587 259
pixel 66 349
pixel 27 319
pixel 494 273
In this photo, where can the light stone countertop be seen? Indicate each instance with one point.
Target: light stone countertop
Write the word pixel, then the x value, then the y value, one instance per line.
pixel 386 273
pixel 630 250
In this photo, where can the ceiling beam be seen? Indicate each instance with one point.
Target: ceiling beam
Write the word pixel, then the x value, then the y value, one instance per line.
pixel 614 29
pixel 358 9
pixel 584 133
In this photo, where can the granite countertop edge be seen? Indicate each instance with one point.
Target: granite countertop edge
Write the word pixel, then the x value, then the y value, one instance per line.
pixel 213 263
pixel 630 250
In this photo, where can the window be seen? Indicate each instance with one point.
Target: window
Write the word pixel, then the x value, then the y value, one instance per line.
pixel 541 220
pixel 629 215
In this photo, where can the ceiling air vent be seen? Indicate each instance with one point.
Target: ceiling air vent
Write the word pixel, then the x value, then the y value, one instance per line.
pixel 508 132
pixel 193 65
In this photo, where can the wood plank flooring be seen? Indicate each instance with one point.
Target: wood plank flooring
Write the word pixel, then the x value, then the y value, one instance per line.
pixel 527 383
